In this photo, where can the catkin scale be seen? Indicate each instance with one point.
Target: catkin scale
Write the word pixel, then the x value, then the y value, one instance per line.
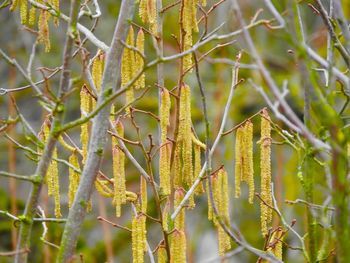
pixel 265 169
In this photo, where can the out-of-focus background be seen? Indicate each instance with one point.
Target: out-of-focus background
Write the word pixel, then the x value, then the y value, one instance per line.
pixel 100 242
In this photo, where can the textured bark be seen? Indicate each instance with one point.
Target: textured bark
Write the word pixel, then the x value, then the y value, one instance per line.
pixel 110 81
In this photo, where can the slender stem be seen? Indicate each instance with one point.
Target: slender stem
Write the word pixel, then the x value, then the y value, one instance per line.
pixel 110 81
pixel 23 241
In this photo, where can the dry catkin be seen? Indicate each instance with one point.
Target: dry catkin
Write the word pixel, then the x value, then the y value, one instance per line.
pixel 143 194
pixel 140 46
pixel 128 67
pixel 238 160
pixel 56 5
pixel 265 167
pixel 118 160
pixel 43 29
pixel 180 219
pixel 74 178
pixel 275 244
pixel 84 128
pixel 178 247
pixel 138 238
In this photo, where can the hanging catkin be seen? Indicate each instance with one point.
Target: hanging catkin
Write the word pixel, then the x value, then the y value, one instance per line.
pixel 162 255
pixel 198 145
pixel 143 194
pixel 265 169
pixel 138 238
pixel 178 247
pixel 180 219
pixel 32 16
pixel 56 5
pixel 148 13
pixel 84 128
pixel 140 46
pixel 166 215
pixel 52 178
pixel 238 160
pixel 118 160
pixel 223 209
pixel 97 70
pixel 165 148
pixel 128 67
pixel 43 29
pixel 185 138
pixel 23 9
pixel 74 178
pixel 244 167
pixel 248 160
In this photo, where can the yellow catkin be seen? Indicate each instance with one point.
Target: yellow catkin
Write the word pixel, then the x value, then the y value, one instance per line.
pixel 32 16
pixel 140 46
pixel 84 128
pixel 238 161
pixel 185 134
pixel 165 149
pixel 14 5
pixel 97 69
pixel 204 2
pixel 165 216
pixel 43 25
pixel 143 10
pixel 210 207
pixel 197 167
pixel 162 255
pixel 56 185
pixel 164 168
pixel 178 247
pixel 74 178
pixel 23 9
pixel 138 238
pixel 152 15
pixel 177 165
pixel 143 194
pixel 265 169
pixel 249 165
pixel 103 189
pixel 164 113
pixel 52 178
pixel 180 219
pixel 118 160
pixel 189 22
pixel 222 201
pixel 56 5
pixel 128 67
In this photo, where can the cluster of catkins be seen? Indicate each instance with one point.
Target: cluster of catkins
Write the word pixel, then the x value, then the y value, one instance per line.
pixel 177 175
pixel 28 17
